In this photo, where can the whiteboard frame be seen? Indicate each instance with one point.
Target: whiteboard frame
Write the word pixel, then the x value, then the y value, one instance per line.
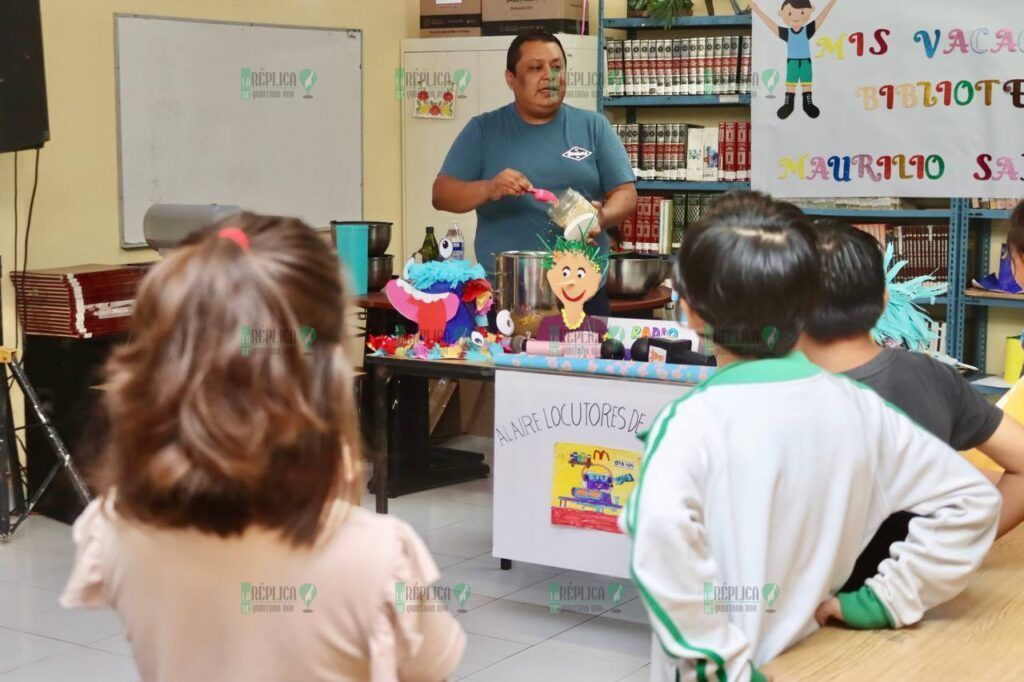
pixel 125 245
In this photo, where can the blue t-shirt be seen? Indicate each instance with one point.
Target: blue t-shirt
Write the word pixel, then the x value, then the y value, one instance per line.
pixel 576 149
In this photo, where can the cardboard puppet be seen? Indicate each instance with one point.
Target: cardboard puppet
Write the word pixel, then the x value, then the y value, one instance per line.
pixel 574 274
pixel 449 301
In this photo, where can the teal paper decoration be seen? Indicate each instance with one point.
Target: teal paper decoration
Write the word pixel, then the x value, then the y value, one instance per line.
pixel 904 322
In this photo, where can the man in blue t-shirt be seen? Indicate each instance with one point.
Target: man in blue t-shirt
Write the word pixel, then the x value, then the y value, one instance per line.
pixel 797 33
pixel 537 141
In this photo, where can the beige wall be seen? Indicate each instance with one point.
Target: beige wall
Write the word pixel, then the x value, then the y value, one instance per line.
pixel 76 212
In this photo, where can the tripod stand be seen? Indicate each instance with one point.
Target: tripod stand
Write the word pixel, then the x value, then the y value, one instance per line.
pixel 10 466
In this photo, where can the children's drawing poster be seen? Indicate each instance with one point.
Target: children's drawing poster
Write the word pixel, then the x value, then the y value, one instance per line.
pixel 591 484
pixel 915 98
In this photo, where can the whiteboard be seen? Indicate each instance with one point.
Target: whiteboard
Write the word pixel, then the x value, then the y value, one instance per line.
pixel 268 118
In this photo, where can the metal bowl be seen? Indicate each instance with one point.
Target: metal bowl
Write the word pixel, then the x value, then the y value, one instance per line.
pixel 634 275
pixel 378 238
pixel 379 271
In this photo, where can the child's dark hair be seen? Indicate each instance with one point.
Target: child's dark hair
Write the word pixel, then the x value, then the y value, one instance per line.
pixel 852 282
pixel 1016 237
pixel 750 270
pixel 797 4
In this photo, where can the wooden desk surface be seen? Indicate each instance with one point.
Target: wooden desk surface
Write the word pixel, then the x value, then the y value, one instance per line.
pixel 977 636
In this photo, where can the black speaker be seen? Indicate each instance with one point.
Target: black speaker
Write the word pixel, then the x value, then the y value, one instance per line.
pixel 64 374
pixel 24 123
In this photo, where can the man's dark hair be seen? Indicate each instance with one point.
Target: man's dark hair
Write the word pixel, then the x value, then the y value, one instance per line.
pixel 532 35
pixel 749 269
pixel 1016 237
pixel 797 4
pixel 852 282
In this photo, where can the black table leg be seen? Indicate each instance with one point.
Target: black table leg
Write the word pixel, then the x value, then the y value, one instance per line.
pixel 381 379
pixel 506 564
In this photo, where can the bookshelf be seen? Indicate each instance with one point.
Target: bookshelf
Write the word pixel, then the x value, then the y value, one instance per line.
pixel 974 253
pixel 676 101
pixel 955 212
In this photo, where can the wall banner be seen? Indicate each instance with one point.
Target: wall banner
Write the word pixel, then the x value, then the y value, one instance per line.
pixel 917 98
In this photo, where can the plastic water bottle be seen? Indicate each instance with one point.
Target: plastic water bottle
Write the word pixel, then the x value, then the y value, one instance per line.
pixel 457 240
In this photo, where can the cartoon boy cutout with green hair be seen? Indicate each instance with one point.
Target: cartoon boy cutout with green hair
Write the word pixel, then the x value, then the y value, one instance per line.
pixel 797 33
pixel 574 275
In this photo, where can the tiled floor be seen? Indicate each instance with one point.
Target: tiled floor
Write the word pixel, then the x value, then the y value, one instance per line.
pixel 513 635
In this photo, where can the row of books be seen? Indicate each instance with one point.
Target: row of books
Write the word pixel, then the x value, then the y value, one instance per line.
pixel 857 203
pixel 719 65
pixel 995 204
pixel 658 223
pixel 925 248
pixel 679 151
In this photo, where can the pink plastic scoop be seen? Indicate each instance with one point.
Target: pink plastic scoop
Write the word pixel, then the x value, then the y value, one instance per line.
pixel 544 195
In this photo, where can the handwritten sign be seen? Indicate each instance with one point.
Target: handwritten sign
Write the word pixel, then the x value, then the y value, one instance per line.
pixel 878 98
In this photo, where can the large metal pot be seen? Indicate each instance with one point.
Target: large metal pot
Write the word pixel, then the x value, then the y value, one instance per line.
pixel 378 237
pixel 521 287
pixel 632 275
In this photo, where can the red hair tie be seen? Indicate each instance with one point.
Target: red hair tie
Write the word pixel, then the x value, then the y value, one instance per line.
pixel 236 235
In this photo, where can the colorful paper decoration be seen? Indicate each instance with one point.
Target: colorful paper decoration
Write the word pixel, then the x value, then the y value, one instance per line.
pixel 904 323
pixel 442 107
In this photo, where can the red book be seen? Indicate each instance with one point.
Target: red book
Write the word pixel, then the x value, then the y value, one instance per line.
pixel 645 211
pixel 629 232
pixel 722 128
pixel 743 151
pixel 729 164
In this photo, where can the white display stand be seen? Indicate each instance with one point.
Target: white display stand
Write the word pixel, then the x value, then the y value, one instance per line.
pixel 524 459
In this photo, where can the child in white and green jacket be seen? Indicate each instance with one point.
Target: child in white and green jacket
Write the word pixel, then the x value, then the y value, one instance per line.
pixel 760 487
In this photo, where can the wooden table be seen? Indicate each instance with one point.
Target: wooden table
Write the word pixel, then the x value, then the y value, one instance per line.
pixel 658 298
pixel 977 636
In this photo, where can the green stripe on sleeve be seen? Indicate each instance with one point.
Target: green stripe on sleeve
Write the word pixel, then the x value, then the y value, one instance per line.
pixel 864 611
pixel 756 675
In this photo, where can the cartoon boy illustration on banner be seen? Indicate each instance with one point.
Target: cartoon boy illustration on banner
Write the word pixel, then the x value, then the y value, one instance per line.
pixel 797 33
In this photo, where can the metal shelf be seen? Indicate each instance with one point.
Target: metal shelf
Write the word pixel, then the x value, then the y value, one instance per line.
pixel 988 214
pixel 678 101
pixel 985 390
pixel 882 214
pixel 993 302
pixel 685 186
pixel 678 22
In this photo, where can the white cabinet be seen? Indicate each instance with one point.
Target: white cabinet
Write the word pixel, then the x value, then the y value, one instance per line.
pixel 425 142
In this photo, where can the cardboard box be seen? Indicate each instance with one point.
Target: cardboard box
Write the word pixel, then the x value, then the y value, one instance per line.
pixel 510 17
pixel 450 18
